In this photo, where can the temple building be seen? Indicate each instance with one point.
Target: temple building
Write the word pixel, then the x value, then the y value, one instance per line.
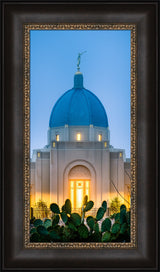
pixel 78 159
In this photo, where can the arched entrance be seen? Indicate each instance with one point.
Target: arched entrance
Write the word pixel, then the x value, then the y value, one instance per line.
pixel 79 185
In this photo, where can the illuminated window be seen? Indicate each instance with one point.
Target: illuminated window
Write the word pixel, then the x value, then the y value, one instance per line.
pixel 91 126
pixel 105 144
pixel 66 125
pixel 78 136
pixel 38 154
pixel 54 144
pixel 57 137
pixel 100 137
pixel 120 155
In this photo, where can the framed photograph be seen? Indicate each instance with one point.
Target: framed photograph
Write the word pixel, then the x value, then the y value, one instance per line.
pixel 80 184
pixel 78 116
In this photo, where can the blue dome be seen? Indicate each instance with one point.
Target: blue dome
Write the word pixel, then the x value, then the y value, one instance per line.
pixel 78 107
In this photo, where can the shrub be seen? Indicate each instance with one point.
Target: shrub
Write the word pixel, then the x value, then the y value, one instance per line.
pixel 41 210
pixel 115 205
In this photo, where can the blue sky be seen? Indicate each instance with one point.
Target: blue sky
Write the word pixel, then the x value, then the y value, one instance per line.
pixel 106 71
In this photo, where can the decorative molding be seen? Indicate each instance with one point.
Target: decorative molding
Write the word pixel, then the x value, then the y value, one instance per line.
pixel 79 171
pixel 26 140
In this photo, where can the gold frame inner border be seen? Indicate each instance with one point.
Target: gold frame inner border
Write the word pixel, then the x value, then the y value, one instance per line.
pixel 26 133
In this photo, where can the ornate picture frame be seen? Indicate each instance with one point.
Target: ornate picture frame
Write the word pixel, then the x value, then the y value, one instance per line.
pixel 17 105
pixel 27 117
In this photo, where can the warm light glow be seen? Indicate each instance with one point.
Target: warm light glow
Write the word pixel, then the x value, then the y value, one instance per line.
pixel 78 189
pixel 87 184
pixel 105 144
pixel 87 193
pixel 79 197
pixel 38 154
pixel 72 197
pixel 54 144
pixel 57 138
pixel 100 137
pixel 120 155
pixel 78 136
pixel 87 188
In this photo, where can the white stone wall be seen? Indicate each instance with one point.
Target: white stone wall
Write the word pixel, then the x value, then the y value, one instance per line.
pixel 92 155
pixel 45 177
pixel 88 133
pixel 53 176
pixel 49 175
pixel 42 177
pixel 32 183
pixel 38 176
pixel 127 181
pixel 116 175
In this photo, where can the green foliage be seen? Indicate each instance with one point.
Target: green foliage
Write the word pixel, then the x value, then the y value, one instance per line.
pixel 47 223
pixel 115 228
pixel 106 225
pixel 112 216
pixel 123 207
pixel 67 206
pixel 85 200
pixel 32 230
pixel 90 222
pixel 117 218
pixel 106 236
pixel 88 206
pixel 100 213
pixel 128 216
pixel 104 205
pixel 55 220
pixel 76 229
pixel 123 217
pixel 42 230
pixel 38 222
pixel 95 237
pixel 64 217
pixel 63 208
pixel 76 219
pixel 35 237
pixel 54 236
pixel 54 208
pixel 123 228
pixel 96 227
pixel 72 227
pixel 115 205
pixel 83 231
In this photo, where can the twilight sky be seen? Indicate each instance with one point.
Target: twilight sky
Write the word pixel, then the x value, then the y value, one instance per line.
pixel 106 72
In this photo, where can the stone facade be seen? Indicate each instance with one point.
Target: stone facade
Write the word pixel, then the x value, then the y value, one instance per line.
pixel 78 158
pixel 104 167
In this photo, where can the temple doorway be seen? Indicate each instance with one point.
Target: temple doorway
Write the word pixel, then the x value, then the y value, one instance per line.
pixel 78 189
pixel 79 185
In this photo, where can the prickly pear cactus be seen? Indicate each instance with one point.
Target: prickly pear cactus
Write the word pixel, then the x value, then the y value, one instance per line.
pixel 106 225
pixel 68 206
pixel 54 208
pixel 75 219
pixel 100 213
pixel 74 227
